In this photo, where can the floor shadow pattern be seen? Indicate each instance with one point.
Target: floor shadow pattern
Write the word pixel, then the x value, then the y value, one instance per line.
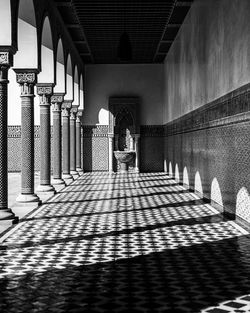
pixel 131 249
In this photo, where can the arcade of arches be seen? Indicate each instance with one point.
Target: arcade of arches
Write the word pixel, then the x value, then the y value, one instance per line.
pixel 134 168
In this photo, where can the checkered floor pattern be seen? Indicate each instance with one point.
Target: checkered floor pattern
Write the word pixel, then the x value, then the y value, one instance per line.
pixel 125 243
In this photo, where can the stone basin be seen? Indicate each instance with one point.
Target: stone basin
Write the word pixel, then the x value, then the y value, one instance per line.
pixel 124 157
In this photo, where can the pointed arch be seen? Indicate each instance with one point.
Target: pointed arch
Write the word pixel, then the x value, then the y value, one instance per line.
pixel 5 18
pixel 27 54
pixel 216 194
pixel 76 87
pixel 60 68
pixel 69 79
pixel 198 184
pixel 47 54
pixel 81 93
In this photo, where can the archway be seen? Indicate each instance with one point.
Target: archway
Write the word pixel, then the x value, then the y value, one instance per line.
pixel 26 56
pixel 216 195
pixel 198 184
pixel 47 54
pixel 76 87
pixel 69 80
pixel 81 93
pixel 60 69
pixel 185 177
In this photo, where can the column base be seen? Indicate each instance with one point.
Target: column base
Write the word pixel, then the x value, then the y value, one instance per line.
pixel 27 199
pixel 58 184
pixel 8 215
pixel 67 178
pixel 7 219
pixel 79 170
pixel 45 192
pixel 57 181
pixel 137 170
pixel 74 174
pixel 45 188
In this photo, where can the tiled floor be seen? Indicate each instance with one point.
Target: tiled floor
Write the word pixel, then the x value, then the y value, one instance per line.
pixel 125 243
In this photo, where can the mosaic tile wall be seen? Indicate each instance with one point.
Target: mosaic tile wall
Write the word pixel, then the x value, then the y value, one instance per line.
pixel 95 145
pixel 14 148
pixel 151 148
pixel 208 149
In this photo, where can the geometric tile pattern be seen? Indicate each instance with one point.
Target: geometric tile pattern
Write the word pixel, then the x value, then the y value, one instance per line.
pixel 95 143
pixel 125 243
pixel 227 164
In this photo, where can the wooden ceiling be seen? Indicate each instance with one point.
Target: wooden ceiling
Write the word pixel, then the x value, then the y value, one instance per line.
pixel 97 25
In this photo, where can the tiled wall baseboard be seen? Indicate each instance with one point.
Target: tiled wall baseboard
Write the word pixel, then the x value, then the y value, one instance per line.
pixel 208 149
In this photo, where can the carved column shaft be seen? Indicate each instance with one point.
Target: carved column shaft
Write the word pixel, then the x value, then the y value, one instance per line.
pixel 45 91
pixel 27 80
pixel 57 100
pixel 137 153
pixel 78 142
pixel 73 171
pixel 3 137
pixel 111 143
pixel 5 63
pixel 65 141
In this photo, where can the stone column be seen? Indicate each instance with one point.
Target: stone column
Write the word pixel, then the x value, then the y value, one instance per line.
pixel 78 142
pixel 45 92
pixel 131 143
pixel 72 132
pixel 137 153
pixel 26 78
pixel 56 101
pixel 111 143
pixel 6 59
pixel 66 106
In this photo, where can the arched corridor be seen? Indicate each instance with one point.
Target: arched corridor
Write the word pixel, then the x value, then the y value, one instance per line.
pixel 124 156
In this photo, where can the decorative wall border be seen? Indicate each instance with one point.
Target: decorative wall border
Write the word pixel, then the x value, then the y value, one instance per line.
pixel 231 108
pixel 14 131
pixel 92 131
pixel 95 130
pixel 151 131
pixel 102 130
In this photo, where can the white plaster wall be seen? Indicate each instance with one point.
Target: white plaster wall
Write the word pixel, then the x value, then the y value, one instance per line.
pixel 47 73
pixel 26 56
pixel 5 18
pixel 60 78
pixel 210 56
pixel 69 88
pixel 103 81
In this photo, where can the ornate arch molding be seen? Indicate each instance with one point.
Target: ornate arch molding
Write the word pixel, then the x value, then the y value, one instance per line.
pixel 117 105
pixel 124 133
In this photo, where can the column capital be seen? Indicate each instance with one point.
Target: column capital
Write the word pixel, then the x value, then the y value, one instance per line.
pixel 28 76
pixel 111 135
pixel 56 107
pixel 6 58
pixel 78 116
pixel 79 112
pixel 67 104
pixel 73 112
pixel 57 97
pixel 137 136
pixel 45 89
pixel 74 109
pixel 65 112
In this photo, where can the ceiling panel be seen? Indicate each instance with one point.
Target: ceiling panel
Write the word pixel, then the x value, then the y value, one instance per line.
pixel 97 25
